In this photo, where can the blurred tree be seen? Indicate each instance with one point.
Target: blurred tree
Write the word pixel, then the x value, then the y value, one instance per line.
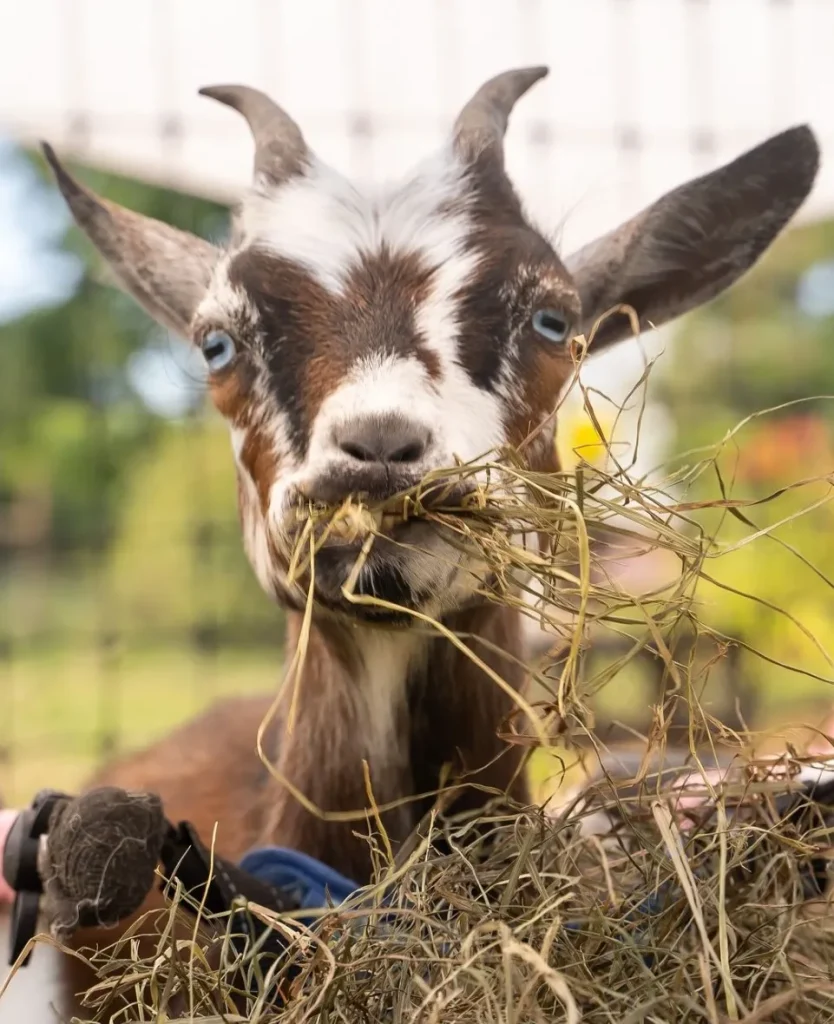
pixel 177 562
pixel 767 342
pixel 116 479
pixel 71 423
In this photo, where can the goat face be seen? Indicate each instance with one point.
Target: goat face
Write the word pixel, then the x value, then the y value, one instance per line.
pixel 356 343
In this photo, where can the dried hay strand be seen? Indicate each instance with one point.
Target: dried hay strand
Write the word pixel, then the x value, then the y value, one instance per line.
pixel 529 919
pixel 598 907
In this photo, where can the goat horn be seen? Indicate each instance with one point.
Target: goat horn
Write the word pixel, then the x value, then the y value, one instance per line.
pixel 482 123
pixel 166 270
pixel 280 149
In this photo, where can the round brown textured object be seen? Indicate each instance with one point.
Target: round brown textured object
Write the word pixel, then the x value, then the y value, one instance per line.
pixel 100 858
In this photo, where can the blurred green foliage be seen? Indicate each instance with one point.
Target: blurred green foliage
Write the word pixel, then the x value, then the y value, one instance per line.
pixel 178 530
pixel 753 347
pixel 751 350
pixel 113 517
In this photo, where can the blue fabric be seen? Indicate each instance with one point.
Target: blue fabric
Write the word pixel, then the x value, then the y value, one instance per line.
pixel 313 884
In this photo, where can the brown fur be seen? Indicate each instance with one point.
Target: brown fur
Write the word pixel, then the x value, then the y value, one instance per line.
pixel 208 771
pixel 230 393
pixel 257 457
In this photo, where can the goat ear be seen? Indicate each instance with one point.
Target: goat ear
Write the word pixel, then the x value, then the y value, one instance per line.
pixel 697 240
pixel 166 270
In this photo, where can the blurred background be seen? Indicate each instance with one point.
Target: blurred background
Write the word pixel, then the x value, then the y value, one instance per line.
pixel 125 601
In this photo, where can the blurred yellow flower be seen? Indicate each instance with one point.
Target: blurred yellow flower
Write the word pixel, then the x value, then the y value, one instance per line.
pixel 578 440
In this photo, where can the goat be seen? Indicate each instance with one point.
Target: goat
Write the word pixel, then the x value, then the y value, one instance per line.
pixel 354 344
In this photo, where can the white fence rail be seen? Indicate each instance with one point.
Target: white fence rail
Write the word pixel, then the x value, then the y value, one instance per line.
pixel 642 93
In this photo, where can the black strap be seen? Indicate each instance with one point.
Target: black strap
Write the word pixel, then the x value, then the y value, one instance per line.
pixel 216 884
pixel 212 883
pixel 20 869
pixel 186 859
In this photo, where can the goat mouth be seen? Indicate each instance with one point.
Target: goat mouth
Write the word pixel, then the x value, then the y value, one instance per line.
pixel 357 518
pixel 378 584
pixel 378 562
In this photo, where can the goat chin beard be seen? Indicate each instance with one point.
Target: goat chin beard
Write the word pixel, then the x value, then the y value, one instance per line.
pixel 394 588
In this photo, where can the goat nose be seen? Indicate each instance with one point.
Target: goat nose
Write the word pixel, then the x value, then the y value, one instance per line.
pixel 383 439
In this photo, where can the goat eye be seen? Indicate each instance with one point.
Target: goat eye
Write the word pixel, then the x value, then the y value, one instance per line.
pixel 218 350
pixel 552 325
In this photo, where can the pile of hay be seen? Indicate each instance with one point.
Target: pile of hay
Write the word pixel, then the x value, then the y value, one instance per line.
pixel 524 918
pixel 625 916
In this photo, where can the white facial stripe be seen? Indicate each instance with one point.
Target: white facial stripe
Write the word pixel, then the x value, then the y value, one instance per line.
pixel 238 436
pixel 254 535
pixel 469 418
pixel 255 542
pixel 323 223
pixel 224 301
pixel 279 434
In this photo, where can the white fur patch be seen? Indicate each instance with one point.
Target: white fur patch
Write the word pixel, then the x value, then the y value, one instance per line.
pixel 324 223
pixel 238 438
pixel 381 691
pixel 255 531
pixel 469 419
pixel 279 434
pixel 255 541
pixel 224 301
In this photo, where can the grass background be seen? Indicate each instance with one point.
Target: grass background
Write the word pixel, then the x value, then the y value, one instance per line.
pixel 55 708
pixel 61 712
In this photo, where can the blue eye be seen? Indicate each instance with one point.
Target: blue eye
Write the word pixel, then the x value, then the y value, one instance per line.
pixel 218 350
pixel 552 325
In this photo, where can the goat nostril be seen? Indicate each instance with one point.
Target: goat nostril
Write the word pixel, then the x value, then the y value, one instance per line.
pixel 356 451
pixel 408 453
